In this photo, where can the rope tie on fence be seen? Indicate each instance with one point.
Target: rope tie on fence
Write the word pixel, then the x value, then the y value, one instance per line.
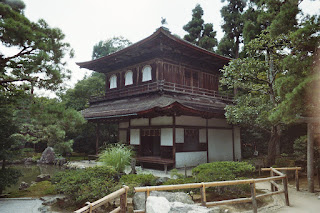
pixel 90 206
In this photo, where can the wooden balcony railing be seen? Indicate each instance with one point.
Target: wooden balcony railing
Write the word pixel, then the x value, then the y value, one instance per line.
pixel 160 85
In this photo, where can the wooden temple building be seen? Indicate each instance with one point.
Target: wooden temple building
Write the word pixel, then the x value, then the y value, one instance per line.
pixel 163 93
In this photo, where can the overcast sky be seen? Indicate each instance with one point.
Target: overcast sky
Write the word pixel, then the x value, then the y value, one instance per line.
pixel 86 22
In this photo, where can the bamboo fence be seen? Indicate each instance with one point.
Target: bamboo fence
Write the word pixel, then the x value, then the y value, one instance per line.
pixel 275 189
pixel 122 193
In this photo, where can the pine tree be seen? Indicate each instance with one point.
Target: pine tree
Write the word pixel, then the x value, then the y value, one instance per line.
pixel 232 15
pixel 199 33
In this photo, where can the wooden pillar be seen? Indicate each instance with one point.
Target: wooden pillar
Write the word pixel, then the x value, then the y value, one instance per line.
pixel 297 179
pixel 253 197
pixel 233 153
pixel 97 137
pixel 285 188
pixel 207 140
pixel 310 158
pixel 174 138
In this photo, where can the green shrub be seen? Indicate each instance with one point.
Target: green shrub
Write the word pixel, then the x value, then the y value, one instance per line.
pixel 117 156
pixel 133 180
pixel 8 177
pixel 222 170
pixel 88 184
pixel 175 174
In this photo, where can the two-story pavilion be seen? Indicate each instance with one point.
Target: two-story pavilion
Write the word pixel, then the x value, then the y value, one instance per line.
pixel 163 93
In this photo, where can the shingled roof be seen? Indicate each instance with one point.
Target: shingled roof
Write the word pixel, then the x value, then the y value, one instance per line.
pixel 154 104
pixel 160 44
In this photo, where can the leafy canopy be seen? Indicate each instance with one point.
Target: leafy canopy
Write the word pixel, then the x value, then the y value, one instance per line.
pixel 39 50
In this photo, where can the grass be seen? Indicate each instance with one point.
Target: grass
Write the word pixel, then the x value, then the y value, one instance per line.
pixel 37 190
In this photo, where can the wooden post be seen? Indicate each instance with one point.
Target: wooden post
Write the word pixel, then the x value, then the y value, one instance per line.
pixel 97 138
pixel 253 197
pixel 174 139
pixel 203 195
pixel 271 175
pixel 318 171
pixel 297 179
pixel 310 158
pixel 123 203
pixel 285 188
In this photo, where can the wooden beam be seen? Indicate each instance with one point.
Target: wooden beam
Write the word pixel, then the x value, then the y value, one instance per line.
pixel 310 158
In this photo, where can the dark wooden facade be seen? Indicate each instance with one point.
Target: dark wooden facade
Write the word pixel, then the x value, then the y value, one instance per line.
pixel 183 85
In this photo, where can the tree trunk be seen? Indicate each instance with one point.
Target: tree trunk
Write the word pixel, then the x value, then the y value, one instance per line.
pixel 3 163
pixel 274 139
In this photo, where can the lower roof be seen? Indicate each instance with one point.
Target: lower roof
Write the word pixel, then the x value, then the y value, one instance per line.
pixel 153 105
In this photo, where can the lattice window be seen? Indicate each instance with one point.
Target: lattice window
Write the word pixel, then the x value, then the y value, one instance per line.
pixel 146 73
pixel 128 78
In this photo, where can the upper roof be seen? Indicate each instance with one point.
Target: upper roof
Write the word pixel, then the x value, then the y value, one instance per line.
pixel 161 44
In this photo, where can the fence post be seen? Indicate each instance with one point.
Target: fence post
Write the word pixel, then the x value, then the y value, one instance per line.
pixel 123 203
pixel 253 197
pixel 285 187
pixel 203 195
pixel 297 179
pixel 271 175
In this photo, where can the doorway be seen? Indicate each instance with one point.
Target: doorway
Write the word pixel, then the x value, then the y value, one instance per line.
pixel 150 142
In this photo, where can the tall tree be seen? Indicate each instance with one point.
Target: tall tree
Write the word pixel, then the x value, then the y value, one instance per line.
pixel 278 67
pixel 40 50
pixel 232 15
pixel 199 33
pixel 103 48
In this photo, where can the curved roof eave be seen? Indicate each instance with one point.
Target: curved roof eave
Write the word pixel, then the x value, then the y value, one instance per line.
pixel 154 35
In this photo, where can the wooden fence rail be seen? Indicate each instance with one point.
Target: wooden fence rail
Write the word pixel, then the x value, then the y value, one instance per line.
pixel 205 185
pixel 296 169
pixel 122 193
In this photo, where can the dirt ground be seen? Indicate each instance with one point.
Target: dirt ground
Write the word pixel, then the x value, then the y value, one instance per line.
pixel 300 201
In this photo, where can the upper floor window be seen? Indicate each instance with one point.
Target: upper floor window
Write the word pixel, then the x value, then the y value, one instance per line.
pixel 128 78
pixel 146 73
pixel 113 81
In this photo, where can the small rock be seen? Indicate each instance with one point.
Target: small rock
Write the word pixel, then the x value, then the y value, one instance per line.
pixel 60 161
pixel 43 177
pixel 32 183
pixel 50 200
pixel 161 180
pixel 28 161
pixel 157 205
pixel 23 185
pixel 139 198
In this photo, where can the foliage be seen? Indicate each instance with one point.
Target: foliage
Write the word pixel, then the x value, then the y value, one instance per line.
pixel 8 177
pixel 39 50
pixel 9 140
pixel 39 189
pixel 117 155
pixel 199 33
pixel 223 170
pixel 232 15
pixel 78 97
pixel 48 121
pixel 84 185
pixel 103 48
pixel 136 180
pixel 175 174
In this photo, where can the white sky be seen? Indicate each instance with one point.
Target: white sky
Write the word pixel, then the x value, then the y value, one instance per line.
pixel 86 22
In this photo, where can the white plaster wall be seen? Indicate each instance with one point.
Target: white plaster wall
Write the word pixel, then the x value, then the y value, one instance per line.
pixel 190 158
pixel 163 120
pixel 123 124
pixel 123 136
pixel 135 136
pixel 202 136
pixel 217 122
pixel 166 137
pixel 140 122
pixel 190 121
pixel 237 143
pixel 179 135
pixel 220 144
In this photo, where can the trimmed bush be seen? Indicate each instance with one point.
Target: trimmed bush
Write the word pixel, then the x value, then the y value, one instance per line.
pixel 133 180
pixel 117 156
pixel 88 184
pixel 222 170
